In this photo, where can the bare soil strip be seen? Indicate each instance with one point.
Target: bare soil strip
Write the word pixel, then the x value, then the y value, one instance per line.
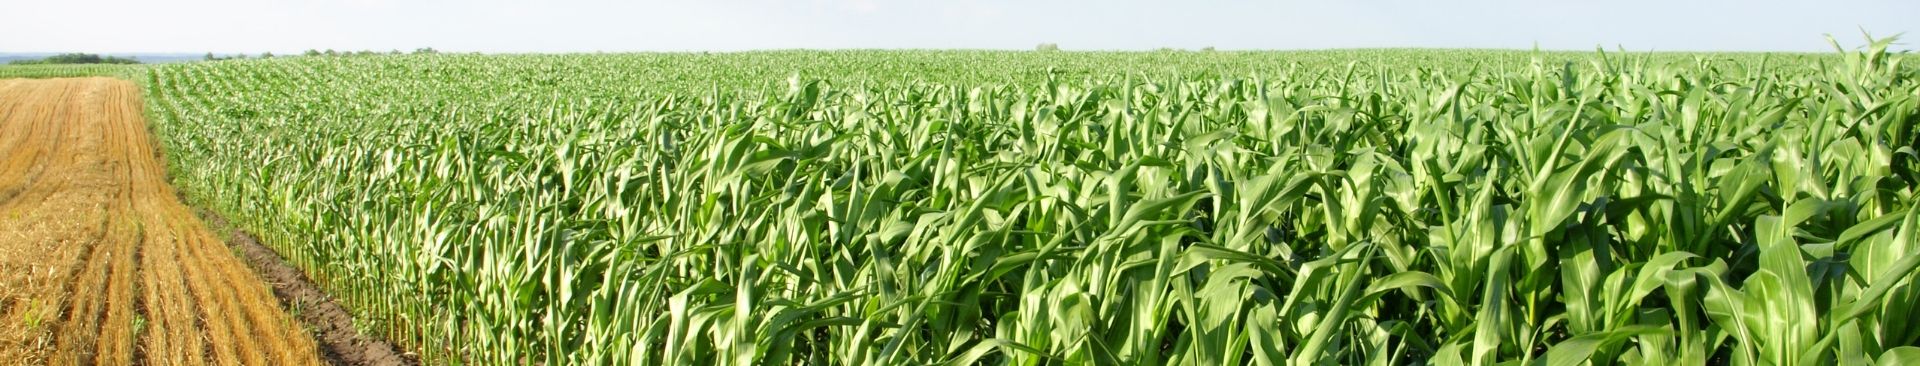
pixel 99 263
pixel 341 342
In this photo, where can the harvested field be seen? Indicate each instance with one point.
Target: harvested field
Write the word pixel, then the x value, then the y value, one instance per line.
pixel 99 262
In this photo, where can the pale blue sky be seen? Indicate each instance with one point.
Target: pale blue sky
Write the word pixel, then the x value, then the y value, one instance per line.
pixel 282 26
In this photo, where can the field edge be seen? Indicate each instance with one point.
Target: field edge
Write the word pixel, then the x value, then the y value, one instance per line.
pixel 340 339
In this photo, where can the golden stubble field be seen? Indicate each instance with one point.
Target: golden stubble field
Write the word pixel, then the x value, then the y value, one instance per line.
pixel 99 261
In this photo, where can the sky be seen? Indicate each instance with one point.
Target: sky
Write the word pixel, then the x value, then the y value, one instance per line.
pixel 517 26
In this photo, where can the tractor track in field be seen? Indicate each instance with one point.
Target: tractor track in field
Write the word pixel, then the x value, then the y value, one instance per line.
pixel 100 264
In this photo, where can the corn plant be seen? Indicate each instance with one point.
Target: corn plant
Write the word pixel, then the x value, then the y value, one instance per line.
pixel 964 207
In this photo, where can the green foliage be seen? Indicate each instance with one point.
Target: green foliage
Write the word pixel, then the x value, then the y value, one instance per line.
pixel 41 71
pixel 330 53
pixel 1338 207
pixel 76 59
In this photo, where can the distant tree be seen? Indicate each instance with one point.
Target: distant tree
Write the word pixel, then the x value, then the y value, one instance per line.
pixel 1047 47
pixel 330 52
pixel 77 58
pixel 73 58
pixel 266 55
pixel 424 51
pixel 209 57
pixel 1206 49
pixel 395 51
pixel 312 52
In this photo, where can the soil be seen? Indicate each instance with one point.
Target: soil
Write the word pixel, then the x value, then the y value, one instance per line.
pixel 341 342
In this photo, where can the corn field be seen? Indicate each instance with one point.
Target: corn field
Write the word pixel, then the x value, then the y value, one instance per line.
pixel 70 71
pixel 1377 207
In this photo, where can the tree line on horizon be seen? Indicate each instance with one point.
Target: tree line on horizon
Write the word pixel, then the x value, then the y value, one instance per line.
pixel 76 58
pixel 328 53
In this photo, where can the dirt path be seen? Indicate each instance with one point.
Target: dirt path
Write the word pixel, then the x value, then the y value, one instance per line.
pixel 99 263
